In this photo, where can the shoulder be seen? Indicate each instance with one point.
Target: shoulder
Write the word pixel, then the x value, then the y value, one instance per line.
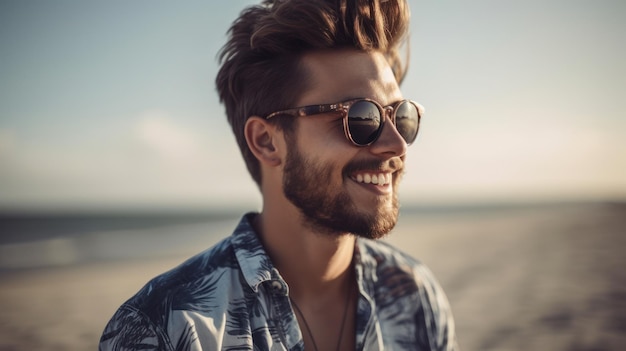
pixel 383 256
pixel 200 285
pixel 399 273
pixel 406 292
pixel 194 277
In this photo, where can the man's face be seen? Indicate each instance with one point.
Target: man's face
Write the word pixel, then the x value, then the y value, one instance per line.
pixel 327 177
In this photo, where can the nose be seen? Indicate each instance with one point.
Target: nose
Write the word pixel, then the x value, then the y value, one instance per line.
pixel 390 142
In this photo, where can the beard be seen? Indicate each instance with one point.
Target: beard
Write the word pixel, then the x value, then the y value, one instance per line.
pixel 332 211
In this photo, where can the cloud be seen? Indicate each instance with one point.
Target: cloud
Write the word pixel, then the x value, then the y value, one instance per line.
pixel 157 131
pixel 516 161
pixel 152 160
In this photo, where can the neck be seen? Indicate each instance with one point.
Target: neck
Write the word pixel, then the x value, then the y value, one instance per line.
pixel 312 263
pixel 318 269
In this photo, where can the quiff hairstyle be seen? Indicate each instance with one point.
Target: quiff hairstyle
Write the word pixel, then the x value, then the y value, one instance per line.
pixel 260 63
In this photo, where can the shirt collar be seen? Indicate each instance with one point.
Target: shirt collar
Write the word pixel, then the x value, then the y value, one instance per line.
pixel 365 265
pixel 257 267
pixel 255 264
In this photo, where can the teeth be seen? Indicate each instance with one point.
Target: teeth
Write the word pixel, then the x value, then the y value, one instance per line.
pixel 377 179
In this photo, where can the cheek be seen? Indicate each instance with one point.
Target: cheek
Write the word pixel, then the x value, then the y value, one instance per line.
pixel 325 145
pixel 325 166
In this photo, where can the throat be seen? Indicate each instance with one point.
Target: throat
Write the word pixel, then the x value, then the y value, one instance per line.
pixel 328 326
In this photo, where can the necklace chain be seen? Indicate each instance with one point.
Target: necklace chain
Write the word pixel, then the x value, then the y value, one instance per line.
pixel 343 321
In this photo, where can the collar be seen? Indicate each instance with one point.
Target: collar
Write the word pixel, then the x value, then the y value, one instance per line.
pixel 256 266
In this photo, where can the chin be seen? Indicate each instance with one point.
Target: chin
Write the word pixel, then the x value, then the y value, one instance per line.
pixel 380 224
pixel 376 222
pixel 370 224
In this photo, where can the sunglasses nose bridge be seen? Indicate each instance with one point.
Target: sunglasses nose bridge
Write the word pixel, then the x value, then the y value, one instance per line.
pixel 388 111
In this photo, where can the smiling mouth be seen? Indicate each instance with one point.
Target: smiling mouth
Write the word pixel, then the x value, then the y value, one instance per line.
pixel 378 178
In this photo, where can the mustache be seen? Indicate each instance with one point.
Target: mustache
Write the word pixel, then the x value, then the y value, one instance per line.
pixel 391 165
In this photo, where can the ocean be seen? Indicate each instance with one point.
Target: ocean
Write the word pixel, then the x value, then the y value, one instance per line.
pixel 48 240
pixel 36 240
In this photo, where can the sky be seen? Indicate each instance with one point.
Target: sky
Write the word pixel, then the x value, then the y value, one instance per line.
pixel 112 104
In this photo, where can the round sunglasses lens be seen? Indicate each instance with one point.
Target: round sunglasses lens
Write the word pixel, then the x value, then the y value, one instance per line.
pixel 364 122
pixel 407 121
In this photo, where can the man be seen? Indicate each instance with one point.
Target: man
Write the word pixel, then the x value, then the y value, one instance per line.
pixel 311 90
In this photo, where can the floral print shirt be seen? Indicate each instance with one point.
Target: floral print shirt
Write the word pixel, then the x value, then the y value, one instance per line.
pixel 231 297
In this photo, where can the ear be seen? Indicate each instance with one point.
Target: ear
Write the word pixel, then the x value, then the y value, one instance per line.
pixel 262 139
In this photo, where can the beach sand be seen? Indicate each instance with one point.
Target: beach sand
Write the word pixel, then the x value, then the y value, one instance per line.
pixel 536 279
pixel 539 278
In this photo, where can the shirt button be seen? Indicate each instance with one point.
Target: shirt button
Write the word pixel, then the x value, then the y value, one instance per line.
pixel 277 286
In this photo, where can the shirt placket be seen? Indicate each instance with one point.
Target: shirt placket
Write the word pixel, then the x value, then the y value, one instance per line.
pixel 368 335
pixel 283 316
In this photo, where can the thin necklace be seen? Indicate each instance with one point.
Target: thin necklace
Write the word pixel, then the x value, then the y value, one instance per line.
pixel 343 321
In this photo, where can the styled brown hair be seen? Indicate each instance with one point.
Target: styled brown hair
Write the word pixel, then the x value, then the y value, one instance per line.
pixel 260 63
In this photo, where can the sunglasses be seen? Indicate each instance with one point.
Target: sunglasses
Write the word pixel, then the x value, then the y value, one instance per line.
pixel 363 119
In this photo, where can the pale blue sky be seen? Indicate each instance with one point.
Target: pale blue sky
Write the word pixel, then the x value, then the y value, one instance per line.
pixel 106 104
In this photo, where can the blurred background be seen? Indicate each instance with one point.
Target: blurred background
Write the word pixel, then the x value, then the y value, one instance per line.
pixel 112 137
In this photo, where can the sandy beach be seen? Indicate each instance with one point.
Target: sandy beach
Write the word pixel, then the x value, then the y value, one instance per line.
pixel 536 278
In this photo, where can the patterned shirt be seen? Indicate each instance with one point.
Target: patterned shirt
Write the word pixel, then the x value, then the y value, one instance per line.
pixel 231 297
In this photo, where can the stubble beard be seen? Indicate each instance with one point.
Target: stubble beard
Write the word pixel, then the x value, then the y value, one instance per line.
pixel 305 184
